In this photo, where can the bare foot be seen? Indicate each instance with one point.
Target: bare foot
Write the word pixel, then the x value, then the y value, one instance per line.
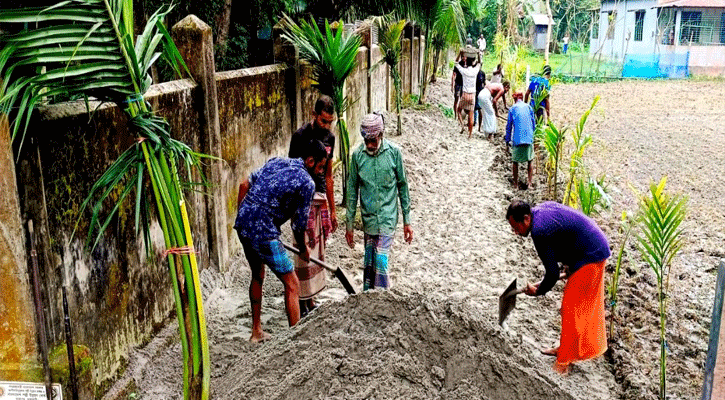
pixel 259 338
pixel 550 352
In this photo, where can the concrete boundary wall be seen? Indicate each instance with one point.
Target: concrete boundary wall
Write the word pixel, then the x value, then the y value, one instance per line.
pixel 119 295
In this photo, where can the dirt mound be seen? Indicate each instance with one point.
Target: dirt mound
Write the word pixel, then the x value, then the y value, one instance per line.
pixel 388 345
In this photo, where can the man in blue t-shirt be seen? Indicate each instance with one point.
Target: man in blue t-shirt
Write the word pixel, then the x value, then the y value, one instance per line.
pixel 279 191
pixel 539 91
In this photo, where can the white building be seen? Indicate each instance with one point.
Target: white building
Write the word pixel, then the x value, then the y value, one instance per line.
pixel 683 33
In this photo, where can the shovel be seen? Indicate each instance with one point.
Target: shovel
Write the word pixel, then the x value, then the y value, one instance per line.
pixel 507 300
pixel 339 273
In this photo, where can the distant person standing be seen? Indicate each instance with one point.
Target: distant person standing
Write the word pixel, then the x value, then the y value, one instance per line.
pixel 564 235
pixel 480 84
pixel 468 98
pixel 322 218
pixel 565 42
pixel 280 190
pixel 520 133
pixel 457 85
pixel 377 178
pixel 539 91
pixel 481 42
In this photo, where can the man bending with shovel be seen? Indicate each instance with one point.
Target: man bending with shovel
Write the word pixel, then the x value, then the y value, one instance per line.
pixel 564 235
pixel 279 191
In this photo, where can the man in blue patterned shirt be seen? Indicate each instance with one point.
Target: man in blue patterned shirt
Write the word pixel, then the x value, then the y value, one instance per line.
pixel 279 191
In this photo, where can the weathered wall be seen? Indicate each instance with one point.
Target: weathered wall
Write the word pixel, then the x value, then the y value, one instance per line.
pixel 405 65
pixel 117 295
pixel 356 89
pixel 378 81
pixel 415 66
pixel 255 124
pixel 17 329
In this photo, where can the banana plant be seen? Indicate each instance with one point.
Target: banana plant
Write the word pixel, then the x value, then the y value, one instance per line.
pixel 660 239
pixel 389 33
pixel 87 48
pixel 576 165
pixel 333 56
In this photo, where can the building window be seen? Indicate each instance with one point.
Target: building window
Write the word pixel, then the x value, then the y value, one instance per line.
pixel 666 25
pixel 638 25
pixel 595 25
pixel 690 27
pixel 722 28
pixel 611 24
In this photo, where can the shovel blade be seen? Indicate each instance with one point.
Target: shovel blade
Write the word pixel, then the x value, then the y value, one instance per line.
pixel 506 302
pixel 342 277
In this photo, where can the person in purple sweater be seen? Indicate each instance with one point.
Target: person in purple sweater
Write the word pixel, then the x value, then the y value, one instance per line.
pixel 563 235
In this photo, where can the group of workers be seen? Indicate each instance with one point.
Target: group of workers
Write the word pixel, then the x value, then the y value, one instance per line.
pixel 475 97
pixel 300 189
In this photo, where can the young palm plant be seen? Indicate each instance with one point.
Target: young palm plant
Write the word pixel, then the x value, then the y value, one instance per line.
pixel 333 56
pixel 389 32
pixel 626 225
pixel 659 241
pixel 576 165
pixel 552 140
pixel 88 48
pixel 592 194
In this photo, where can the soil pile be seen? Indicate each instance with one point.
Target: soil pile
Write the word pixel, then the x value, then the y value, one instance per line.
pixel 390 345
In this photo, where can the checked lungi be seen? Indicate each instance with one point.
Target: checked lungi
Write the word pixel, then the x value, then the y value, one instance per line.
pixel 377 248
pixel 312 277
pixel 583 331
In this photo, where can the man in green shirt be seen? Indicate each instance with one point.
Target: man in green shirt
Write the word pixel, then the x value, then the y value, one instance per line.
pixel 377 177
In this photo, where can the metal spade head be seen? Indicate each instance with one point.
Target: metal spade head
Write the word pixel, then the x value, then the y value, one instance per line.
pixel 507 302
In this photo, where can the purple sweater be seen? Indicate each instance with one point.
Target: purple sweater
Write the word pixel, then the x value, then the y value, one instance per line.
pixel 564 235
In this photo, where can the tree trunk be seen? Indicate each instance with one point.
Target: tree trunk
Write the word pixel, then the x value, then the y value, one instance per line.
pixel 436 59
pixel 548 31
pixel 424 78
pixel 223 24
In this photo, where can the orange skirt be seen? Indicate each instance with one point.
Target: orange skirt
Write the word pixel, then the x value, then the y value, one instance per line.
pixel 583 331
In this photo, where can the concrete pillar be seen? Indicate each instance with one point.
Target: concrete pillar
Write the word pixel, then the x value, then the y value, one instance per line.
pixel 286 52
pixel 193 37
pixel 714 379
pixel 18 347
pixel 678 22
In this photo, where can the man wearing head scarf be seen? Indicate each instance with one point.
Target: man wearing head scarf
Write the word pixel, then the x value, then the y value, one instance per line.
pixel 377 177
pixel 539 91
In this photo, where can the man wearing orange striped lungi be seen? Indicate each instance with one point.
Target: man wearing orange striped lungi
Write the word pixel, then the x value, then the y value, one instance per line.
pixel 564 235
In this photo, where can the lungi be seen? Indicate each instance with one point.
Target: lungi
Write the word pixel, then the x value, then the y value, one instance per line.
pixel 375 275
pixel 312 277
pixel 583 331
pixel 468 101
pixel 489 123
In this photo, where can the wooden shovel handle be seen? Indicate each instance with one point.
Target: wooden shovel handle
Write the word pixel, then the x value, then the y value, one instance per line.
pixel 562 276
pixel 313 259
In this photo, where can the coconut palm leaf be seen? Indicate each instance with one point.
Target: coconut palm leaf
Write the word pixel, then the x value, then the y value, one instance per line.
pixel 83 51
pixel 333 56
pixel 389 34
pixel 87 48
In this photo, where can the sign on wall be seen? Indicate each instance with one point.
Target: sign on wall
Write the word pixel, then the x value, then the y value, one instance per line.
pixel 27 391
